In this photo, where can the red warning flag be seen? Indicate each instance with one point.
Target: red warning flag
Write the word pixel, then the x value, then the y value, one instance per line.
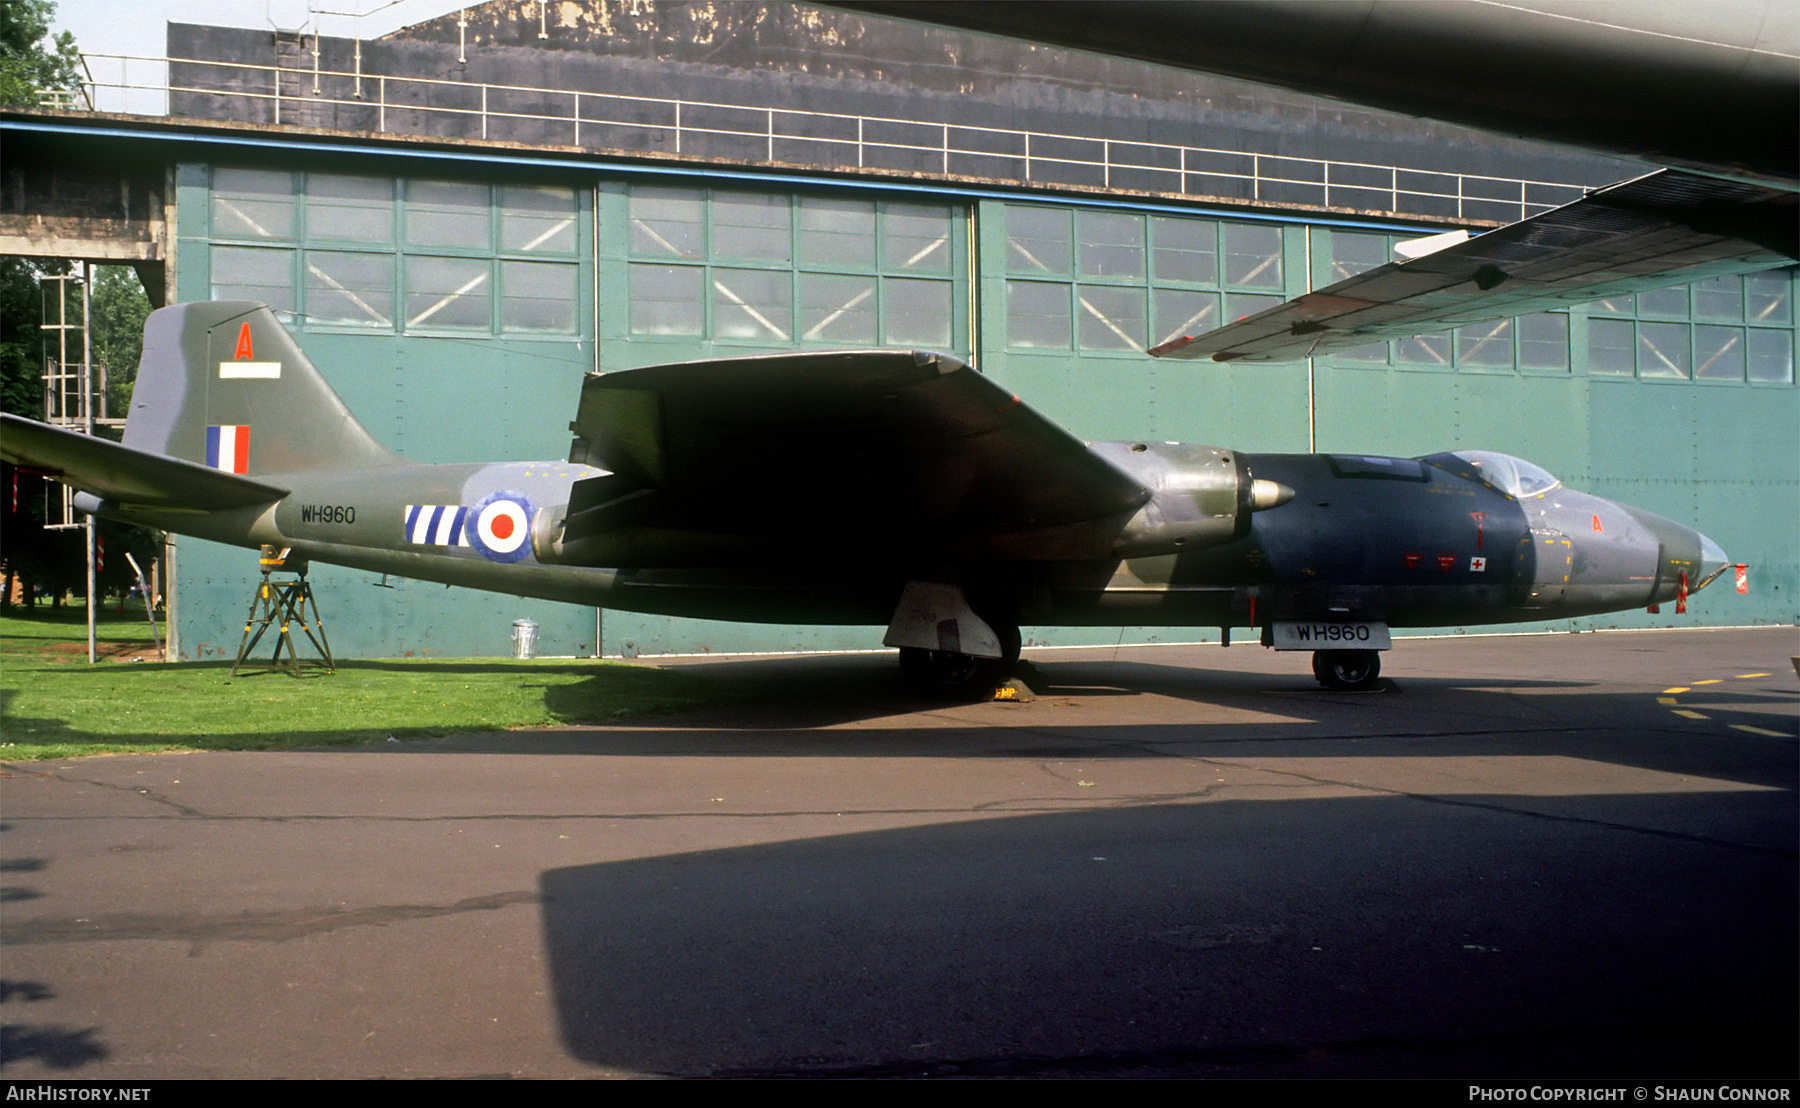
pixel 1743 577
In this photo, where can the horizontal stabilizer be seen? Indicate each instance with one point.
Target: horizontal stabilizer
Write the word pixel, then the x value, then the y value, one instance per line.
pixel 1666 228
pixel 121 473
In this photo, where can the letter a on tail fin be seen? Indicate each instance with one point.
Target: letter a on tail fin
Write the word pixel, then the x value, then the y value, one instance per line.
pixel 222 384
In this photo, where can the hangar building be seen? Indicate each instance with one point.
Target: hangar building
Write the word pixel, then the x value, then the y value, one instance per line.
pixel 460 219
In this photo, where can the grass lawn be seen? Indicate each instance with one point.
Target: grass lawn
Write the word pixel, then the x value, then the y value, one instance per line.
pixel 53 704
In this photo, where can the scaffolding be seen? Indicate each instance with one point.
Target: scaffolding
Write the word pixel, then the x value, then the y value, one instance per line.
pixel 74 400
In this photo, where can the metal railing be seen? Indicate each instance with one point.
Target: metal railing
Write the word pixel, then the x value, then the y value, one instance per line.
pixel 702 130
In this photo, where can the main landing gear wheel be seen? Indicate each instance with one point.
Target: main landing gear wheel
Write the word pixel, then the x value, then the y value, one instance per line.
pixel 939 671
pixel 1347 670
pixel 947 673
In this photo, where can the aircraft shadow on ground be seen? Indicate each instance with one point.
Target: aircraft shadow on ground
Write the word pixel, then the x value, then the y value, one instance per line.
pixel 1235 938
pixel 52 1045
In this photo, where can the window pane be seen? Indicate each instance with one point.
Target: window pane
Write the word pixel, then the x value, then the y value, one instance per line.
pixel 447 293
pixel 1375 353
pixel 1771 355
pixel 837 309
pixel 751 227
pixel 1544 341
pixel 917 313
pixel 1185 250
pixel 447 213
pixel 1610 342
pixel 1721 298
pixel 916 238
pixel 350 209
pixel 839 234
pixel 1719 353
pixel 1111 244
pixel 667 222
pixel 350 290
pixel 537 220
pixel 1252 255
pixel 1665 303
pixel 1037 240
pixel 1181 312
pixel 252 203
pixel 665 299
pixel 1662 350
pixel 1353 253
pixel 538 297
pixel 1623 304
pixel 1037 314
pixel 254 273
pixel 1423 350
pixel 1243 305
pixel 1485 345
pixel 755 304
pixel 1110 318
pixel 1770 297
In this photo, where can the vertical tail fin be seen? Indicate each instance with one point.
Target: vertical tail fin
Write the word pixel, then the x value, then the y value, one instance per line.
pixel 222 383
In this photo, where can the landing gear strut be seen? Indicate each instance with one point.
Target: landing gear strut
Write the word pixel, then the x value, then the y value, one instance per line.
pixel 940 672
pixel 1347 670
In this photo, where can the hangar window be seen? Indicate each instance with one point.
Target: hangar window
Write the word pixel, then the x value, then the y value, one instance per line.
pixel 397 255
pixel 446 214
pixel 1725 329
pixel 1538 343
pixel 1108 281
pixel 350 209
pixel 253 204
pixel 786 270
pixel 254 273
pixel 350 289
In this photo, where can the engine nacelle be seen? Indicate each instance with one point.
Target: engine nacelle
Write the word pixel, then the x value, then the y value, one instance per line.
pixel 1200 496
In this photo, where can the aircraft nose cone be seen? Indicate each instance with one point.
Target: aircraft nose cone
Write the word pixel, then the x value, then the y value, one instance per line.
pixel 1713 559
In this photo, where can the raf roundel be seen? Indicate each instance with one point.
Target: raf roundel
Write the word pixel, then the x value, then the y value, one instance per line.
pixel 500 526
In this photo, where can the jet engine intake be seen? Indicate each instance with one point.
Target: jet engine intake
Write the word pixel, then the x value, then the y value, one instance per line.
pixel 1200 496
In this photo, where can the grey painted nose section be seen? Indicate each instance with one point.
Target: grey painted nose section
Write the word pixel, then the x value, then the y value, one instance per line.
pixel 1713 561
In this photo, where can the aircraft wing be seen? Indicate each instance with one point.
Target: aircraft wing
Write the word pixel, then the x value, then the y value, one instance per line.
pixel 839 448
pixel 1666 228
pixel 125 474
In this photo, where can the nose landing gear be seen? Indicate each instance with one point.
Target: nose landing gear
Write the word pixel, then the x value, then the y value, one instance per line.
pixel 1347 670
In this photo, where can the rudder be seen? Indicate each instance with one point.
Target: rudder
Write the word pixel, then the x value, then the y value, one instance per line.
pixel 223 384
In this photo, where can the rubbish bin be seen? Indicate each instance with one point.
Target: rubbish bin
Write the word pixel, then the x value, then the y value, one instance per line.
pixel 524 638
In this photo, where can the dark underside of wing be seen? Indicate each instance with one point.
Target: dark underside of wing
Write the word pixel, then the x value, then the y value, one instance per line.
pixel 1667 228
pixel 847 454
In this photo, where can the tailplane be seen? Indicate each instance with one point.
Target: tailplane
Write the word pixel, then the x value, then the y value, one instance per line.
pixel 223 385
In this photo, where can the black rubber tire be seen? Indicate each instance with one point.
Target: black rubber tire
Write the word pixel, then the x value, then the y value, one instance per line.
pixel 1347 670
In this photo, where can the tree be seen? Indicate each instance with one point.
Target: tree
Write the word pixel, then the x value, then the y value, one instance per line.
pixel 21 349
pixel 116 314
pixel 29 66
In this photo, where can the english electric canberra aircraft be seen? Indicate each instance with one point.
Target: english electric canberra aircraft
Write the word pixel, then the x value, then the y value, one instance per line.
pixel 863 487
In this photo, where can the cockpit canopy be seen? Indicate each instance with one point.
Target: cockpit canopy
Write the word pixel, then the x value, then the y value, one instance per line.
pixel 1515 477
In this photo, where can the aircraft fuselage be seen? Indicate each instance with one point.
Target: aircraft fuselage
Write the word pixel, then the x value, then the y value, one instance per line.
pixel 1401 541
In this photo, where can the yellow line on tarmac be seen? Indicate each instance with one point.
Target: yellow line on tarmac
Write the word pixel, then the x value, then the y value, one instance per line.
pixel 1759 731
